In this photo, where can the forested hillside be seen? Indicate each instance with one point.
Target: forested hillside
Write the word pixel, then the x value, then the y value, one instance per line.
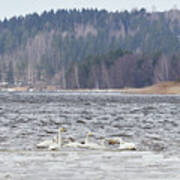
pixel 90 48
pixel 119 69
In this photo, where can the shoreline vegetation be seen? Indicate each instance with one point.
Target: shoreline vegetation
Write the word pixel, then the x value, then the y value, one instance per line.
pixel 169 87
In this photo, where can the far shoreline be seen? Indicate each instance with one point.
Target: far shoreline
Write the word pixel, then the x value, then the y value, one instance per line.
pixel 162 88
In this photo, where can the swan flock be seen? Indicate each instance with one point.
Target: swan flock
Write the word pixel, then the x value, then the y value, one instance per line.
pixel 57 143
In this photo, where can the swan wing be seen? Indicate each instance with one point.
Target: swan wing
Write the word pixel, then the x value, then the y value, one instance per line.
pixel 44 144
pixel 93 146
pixel 127 146
pixel 74 145
pixel 54 147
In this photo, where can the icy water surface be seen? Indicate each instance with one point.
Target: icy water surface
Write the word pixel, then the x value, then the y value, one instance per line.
pixel 151 122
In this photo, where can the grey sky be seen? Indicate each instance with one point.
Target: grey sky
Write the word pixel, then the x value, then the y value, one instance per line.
pixel 9 8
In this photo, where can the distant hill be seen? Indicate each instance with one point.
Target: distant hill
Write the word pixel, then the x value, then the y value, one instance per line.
pixel 45 49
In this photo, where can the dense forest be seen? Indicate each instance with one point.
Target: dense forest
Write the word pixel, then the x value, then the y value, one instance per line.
pixel 90 48
pixel 119 69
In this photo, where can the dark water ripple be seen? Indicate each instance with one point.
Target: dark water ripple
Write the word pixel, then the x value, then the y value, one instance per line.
pixel 152 122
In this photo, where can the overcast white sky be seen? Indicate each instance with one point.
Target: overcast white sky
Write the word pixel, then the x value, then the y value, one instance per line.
pixel 9 8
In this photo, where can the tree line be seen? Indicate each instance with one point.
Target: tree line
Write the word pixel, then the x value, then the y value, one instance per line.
pixel 67 47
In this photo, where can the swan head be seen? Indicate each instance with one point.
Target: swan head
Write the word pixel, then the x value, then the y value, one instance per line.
pixel 90 133
pixel 62 129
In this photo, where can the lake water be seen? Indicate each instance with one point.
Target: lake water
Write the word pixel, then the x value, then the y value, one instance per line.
pixel 152 122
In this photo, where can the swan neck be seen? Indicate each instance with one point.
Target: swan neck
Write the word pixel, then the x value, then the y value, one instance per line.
pixel 59 138
pixel 87 139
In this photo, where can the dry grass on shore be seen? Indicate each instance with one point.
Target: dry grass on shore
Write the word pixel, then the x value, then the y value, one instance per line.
pixel 171 87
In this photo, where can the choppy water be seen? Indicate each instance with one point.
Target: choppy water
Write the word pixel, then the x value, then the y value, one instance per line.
pixel 151 122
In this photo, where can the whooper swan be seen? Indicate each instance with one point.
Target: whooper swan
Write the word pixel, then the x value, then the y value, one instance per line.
pixel 57 145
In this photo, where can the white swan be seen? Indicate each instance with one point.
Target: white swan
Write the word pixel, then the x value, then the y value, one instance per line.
pixel 57 145
pixel 47 143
